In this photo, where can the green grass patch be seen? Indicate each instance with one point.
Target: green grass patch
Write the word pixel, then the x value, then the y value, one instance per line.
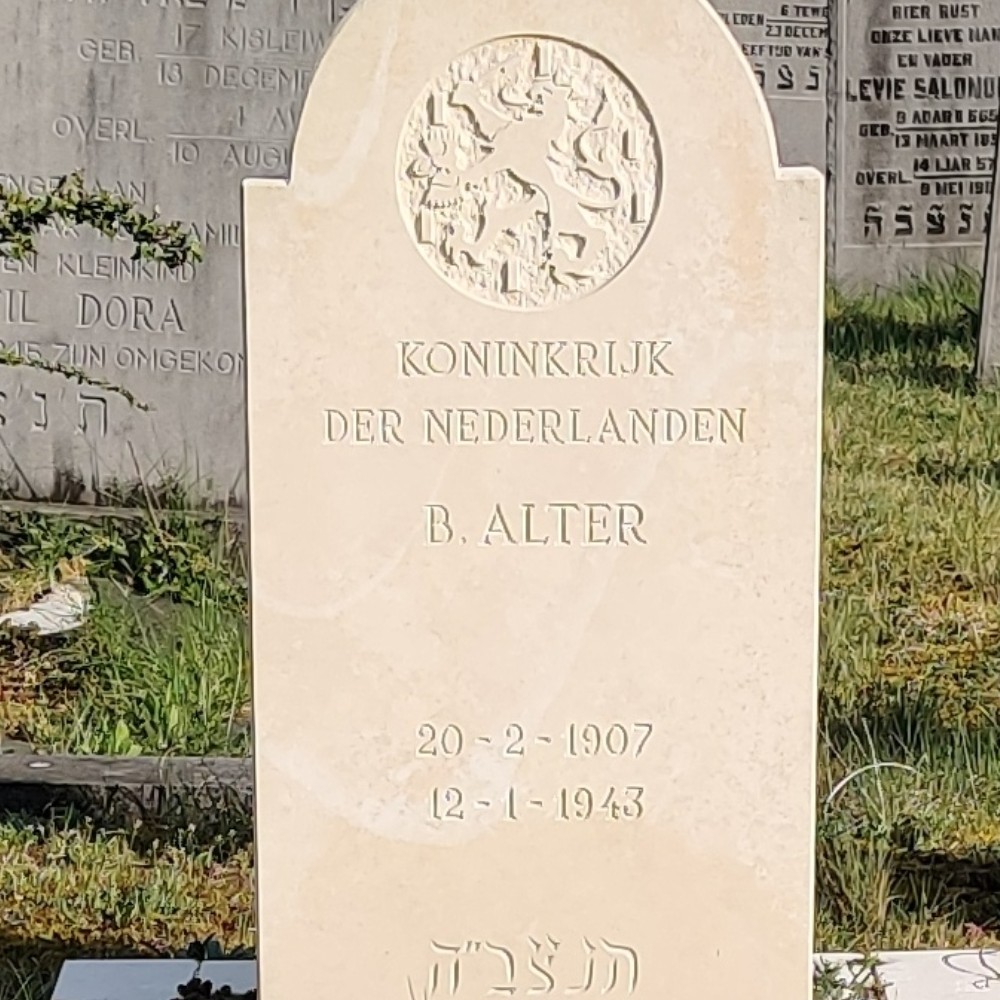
pixel 70 890
pixel 910 626
pixel 161 665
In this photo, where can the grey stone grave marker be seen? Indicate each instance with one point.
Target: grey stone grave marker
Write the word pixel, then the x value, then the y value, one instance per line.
pixel 915 111
pixel 173 103
pixel 787 47
pixel 988 354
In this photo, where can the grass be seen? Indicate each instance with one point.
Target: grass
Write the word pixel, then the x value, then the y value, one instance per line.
pixel 71 889
pixel 162 664
pixel 910 633
pixel 908 803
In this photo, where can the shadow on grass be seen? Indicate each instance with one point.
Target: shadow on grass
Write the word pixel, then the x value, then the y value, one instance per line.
pixel 906 727
pixel 220 819
pixel 923 333
pixel 963 888
pixel 959 473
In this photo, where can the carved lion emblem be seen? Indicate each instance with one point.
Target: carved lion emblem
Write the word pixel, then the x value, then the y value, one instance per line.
pixel 529 172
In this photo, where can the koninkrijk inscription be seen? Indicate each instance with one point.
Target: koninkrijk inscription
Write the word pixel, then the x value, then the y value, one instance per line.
pixel 529 172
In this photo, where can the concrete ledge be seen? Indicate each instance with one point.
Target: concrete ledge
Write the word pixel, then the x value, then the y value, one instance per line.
pixel 906 975
pixel 123 979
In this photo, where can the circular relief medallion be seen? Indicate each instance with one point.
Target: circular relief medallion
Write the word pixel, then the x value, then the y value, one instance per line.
pixel 528 172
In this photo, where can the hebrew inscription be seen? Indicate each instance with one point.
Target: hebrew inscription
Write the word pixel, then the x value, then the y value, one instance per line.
pixel 528 172
pixel 540 966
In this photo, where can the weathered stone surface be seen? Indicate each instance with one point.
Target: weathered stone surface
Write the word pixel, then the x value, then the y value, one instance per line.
pixel 915 112
pixel 787 44
pixel 535 691
pixel 988 352
pixel 172 103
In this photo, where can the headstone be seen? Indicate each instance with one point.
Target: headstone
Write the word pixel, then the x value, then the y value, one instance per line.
pixel 988 352
pixel 787 45
pixel 915 112
pixel 170 103
pixel 534 335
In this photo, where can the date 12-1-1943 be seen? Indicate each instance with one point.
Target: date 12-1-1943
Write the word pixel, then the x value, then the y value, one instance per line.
pixel 558 524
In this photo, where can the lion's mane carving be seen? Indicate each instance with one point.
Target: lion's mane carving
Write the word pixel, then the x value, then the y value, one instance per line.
pixel 529 172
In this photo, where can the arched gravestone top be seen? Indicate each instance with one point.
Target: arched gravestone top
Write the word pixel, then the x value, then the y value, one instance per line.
pixel 535 688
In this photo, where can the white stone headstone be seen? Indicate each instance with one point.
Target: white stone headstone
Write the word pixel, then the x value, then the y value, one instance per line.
pixel 534 356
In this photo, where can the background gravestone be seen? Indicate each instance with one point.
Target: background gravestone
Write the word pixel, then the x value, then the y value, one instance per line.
pixel 173 103
pixel 536 328
pixel 787 47
pixel 988 347
pixel 915 109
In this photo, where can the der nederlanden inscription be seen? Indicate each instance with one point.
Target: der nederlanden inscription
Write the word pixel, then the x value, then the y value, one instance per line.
pixel 536 425
pixel 535 328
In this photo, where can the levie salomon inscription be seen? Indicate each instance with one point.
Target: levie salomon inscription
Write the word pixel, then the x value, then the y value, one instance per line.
pixel 528 172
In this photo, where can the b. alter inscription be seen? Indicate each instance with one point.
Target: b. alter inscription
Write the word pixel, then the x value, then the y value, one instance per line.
pixel 564 523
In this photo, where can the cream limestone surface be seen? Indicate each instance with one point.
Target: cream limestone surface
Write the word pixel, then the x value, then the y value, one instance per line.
pixel 534 359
